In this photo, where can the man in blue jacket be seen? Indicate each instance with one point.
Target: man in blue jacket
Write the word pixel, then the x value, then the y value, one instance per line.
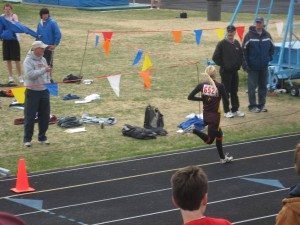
pixel 258 51
pixel 49 33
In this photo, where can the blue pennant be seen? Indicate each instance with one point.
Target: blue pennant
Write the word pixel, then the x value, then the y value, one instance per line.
pixel 198 35
pixel 138 57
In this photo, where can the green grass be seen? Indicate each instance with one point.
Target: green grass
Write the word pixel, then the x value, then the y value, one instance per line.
pixel 174 77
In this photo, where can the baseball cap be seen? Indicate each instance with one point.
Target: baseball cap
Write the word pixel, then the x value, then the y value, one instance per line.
pixel 9 219
pixel 230 28
pixel 259 20
pixel 38 44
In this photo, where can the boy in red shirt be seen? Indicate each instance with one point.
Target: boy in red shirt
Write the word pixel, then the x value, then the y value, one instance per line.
pixel 189 187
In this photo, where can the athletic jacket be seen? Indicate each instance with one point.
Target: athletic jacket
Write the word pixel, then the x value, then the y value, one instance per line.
pixel 35 72
pixel 258 49
pixel 290 212
pixel 49 32
pixel 229 56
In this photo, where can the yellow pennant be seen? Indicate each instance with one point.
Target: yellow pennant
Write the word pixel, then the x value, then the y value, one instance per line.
pixel 147 64
pixel 19 94
pixel 220 33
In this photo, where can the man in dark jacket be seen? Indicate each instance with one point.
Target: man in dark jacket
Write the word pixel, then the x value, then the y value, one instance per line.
pixel 290 212
pixel 229 56
pixel 258 51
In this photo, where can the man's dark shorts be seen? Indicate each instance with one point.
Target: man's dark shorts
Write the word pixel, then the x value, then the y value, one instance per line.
pixel 11 50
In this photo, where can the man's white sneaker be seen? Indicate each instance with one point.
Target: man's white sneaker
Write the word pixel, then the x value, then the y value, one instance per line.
pixel 21 79
pixel 229 115
pixel 11 79
pixel 27 144
pixel 45 142
pixel 238 114
pixel 227 159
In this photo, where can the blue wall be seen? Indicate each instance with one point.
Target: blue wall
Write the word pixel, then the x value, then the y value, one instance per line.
pixel 81 3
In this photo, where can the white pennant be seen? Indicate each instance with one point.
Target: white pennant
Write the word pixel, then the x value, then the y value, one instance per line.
pixel 114 82
pixel 279 27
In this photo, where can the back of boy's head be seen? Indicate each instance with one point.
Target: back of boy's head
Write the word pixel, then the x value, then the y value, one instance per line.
pixel 189 186
pixel 297 158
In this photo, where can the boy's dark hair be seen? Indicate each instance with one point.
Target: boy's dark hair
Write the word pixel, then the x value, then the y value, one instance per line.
pixel 297 158
pixel 44 11
pixel 8 5
pixel 189 186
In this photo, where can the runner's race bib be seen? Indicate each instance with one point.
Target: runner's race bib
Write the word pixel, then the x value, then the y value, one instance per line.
pixel 210 90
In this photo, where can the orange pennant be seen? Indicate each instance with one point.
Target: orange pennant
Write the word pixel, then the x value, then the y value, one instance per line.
pixel 146 75
pixel 177 36
pixel 106 47
pixel 240 31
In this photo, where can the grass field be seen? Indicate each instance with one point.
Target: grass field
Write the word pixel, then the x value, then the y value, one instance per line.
pixel 174 76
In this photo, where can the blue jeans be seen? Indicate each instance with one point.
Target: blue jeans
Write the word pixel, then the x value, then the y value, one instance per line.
pixel 36 103
pixel 257 79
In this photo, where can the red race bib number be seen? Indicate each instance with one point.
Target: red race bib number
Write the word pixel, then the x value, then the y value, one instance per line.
pixel 210 90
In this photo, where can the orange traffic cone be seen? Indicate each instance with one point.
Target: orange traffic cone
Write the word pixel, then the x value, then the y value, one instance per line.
pixel 22 184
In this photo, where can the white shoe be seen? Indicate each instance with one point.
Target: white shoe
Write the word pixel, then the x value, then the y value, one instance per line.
pixel 227 159
pixel 229 115
pixel 11 79
pixel 238 114
pixel 21 79
pixel 27 144
pixel 45 142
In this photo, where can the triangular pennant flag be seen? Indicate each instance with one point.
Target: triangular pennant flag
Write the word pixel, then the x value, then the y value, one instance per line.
pixel 19 94
pixel 146 75
pixel 97 38
pixel 147 64
pixel 53 89
pixel 220 33
pixel 138 57
pixel 240 31
pixel 32 203
pixel 279 27
pixel 177 36
pixel 198 35
pixel 107 35
pixel 114 82
pixel 106 47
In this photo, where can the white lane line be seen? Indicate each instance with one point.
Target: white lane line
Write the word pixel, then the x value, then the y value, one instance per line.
pixel 253 219
pixel 151 192
pixel 140 175
pixel 166 211
pixel 150 157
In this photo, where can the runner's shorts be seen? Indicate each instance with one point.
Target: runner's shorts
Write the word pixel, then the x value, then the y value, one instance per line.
pixel 11 50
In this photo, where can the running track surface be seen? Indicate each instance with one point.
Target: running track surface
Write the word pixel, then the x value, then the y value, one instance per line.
pixel 137 191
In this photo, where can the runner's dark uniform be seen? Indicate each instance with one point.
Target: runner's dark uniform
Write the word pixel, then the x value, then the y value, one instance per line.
pixel 211 112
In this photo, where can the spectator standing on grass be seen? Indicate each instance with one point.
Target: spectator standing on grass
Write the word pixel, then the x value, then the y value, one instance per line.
pixel 229 56
pixel 290 212
pixel 211 94
pixel 11 47
pixel 49 33
pixel 189 194
pixel 37 97
pixel 258 50
pixel 156 3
